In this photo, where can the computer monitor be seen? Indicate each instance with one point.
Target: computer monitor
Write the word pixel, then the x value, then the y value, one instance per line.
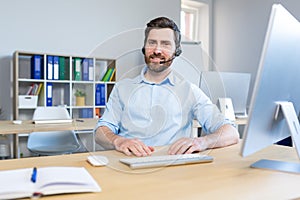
pixel 227 85
pixel 276 96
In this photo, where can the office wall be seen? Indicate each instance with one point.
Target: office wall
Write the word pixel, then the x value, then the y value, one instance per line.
pixel 239 28
pixel 73 27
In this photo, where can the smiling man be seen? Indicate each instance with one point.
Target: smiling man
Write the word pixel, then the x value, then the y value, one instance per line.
pixel 158 106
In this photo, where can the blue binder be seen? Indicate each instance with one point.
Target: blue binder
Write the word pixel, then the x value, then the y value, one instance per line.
pixel 86 113
pixel 85 70
pixel 91 69
pixel 36 67
pixel 49 88
pixel 100 95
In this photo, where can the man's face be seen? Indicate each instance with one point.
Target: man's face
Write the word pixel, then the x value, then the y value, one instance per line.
pixel 160 46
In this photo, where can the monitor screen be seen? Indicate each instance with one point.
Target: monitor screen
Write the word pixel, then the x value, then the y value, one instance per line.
pixel 227 85
pixel 278 80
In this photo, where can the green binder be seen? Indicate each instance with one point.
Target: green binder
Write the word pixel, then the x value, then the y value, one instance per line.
pixel 77 69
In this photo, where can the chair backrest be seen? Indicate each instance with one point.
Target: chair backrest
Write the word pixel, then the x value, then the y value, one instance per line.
pixel 52 142
pixel 48 113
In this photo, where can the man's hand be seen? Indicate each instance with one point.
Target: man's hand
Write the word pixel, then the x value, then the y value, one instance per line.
pixel 132 147
pixel 187 146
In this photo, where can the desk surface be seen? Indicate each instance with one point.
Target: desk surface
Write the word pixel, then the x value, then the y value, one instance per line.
pixel 8 127
pixel 228 177
pixel 27 126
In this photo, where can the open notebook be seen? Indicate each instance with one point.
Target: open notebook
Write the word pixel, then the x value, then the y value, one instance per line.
pixel 49 180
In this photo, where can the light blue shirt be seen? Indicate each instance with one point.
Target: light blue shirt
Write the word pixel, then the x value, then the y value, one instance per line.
pixel 159 114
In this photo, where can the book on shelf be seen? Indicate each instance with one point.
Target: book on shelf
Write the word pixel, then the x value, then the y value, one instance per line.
pixel 108 75
pixel 33 182
pixel 36 67
pixel 77 69
pixel 34 89
pixel 111 78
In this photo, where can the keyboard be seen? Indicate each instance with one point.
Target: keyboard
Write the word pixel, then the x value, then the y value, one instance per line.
pixel 165 160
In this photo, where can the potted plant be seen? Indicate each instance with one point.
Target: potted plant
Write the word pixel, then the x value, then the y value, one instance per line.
pixel 80 97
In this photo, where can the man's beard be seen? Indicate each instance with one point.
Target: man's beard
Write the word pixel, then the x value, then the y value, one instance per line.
pixel 156 67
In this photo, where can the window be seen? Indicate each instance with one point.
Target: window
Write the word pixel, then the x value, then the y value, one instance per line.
pixel 189 22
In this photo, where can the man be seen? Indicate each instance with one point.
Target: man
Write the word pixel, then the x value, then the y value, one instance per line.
pixel 158 106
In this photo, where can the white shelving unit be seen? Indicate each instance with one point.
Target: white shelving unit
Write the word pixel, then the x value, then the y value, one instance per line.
pixel 63 89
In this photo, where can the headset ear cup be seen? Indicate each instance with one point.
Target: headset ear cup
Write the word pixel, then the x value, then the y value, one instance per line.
pixel 143 50
pixel 178 51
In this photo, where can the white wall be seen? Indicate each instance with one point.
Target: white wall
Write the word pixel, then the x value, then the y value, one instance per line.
pixel 73 27
pixel 239 28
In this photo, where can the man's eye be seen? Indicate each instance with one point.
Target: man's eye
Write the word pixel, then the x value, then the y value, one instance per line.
pixel 151 42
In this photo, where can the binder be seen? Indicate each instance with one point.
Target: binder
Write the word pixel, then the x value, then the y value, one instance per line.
pixel 100 95
pixel 111 78
pixel 55 68
pixel 49 67
pixel 49 94
pixel 85 70
pixel 62 68
pixel 36 67
pixel 91 69
pixel 39 89
pixel 107 75
pixel 86 113
pixel 77 69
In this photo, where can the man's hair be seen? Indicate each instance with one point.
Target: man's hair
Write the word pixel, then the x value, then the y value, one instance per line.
pixel 164 22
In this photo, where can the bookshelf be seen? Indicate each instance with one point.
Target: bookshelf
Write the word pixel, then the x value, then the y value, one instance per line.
pixel 41 79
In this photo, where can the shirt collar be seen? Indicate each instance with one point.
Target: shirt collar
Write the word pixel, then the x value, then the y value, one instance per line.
pixel 170 79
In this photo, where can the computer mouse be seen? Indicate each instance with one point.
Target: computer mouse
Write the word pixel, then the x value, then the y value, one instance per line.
pixel 97 160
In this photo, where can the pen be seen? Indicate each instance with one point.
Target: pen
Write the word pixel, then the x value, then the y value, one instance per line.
pixel 79 120
pixel 33 175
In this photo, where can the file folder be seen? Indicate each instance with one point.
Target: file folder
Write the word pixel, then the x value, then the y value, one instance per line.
pixel 36 67
pixel 49 94
pixel 77 69
pixel 55 68
pixel 49 67
pixel 100 95
pixel 91 69
pixel 85 70
pixel 62 68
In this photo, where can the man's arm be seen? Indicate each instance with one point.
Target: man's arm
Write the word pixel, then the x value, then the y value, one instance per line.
pixel 226 135
pixel 109 140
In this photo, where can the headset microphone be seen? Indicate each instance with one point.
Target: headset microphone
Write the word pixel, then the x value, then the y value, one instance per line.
pixel 166 61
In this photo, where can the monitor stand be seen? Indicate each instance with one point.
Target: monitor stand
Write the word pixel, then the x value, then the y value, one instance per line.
pixel 289 114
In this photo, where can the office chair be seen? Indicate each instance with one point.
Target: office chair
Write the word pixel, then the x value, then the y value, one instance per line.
pixel 52 142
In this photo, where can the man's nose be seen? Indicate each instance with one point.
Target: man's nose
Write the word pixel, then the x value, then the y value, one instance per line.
pixel 157 49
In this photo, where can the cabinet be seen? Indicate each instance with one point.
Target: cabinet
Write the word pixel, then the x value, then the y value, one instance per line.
pixel 41 79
